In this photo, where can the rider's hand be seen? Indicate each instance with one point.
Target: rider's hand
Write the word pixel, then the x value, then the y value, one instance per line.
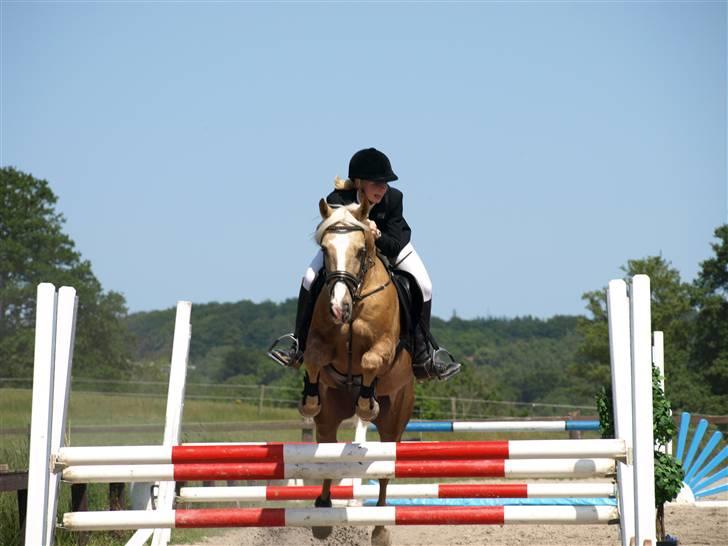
pixel 374 229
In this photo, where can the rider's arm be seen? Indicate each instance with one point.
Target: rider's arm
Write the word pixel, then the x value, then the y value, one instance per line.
pixel 396 233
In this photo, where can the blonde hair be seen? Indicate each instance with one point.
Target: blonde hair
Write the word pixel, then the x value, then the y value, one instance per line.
pixel 343 184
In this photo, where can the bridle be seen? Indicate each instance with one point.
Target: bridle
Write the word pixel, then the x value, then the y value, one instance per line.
pixel 353 284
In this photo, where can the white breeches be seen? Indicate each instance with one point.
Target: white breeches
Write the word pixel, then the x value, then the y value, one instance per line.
pixel 410 262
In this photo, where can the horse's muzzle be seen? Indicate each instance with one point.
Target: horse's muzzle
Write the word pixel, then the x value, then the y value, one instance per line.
pixel 341 313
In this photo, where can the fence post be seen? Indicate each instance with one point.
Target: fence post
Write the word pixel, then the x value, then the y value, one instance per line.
pixel 574 434
pixel 307 431
pixel 116 496
pixel 453 407
pixel 260 400
pixel 79 503
pixel 22 507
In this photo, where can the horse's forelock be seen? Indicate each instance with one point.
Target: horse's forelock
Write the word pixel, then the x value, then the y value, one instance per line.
pixel 341 216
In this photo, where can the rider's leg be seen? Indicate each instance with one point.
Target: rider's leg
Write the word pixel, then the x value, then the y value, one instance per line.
pixel 291 354
pixel 429 360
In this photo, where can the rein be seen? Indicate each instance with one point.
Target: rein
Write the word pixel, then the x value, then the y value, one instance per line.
pixel 353 285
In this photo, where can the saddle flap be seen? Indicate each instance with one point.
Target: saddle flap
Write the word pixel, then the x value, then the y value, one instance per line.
pixel 410 301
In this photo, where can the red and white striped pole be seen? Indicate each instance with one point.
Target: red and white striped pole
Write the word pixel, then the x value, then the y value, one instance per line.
pixel 340 452
pixel 488 468
pixel 308 517
pixel 398 491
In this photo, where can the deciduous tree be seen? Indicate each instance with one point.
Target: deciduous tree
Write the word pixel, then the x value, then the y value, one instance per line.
pixel 35 249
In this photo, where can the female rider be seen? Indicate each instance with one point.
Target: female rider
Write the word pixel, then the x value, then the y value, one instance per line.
pixel 371 171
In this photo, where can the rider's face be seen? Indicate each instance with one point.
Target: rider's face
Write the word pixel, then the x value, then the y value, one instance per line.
pixel 374 190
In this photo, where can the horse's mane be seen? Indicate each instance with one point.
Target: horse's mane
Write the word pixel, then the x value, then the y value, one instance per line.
pixel 341 215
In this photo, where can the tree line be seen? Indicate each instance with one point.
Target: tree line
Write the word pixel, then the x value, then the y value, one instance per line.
pixel 563 359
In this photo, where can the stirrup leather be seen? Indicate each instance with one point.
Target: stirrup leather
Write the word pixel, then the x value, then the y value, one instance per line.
pixel 289 354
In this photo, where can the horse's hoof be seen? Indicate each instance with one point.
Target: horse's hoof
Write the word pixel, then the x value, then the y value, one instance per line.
pixel 381 536
pixel 321 532
pixel 311 408
pixel 369 410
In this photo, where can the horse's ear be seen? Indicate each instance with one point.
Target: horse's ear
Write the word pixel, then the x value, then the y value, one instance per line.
pixel 325 209
pixel 362 213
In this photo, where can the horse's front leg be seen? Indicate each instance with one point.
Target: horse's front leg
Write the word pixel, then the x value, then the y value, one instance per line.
pixel 310 404
pixel 372 363
pixel 327 425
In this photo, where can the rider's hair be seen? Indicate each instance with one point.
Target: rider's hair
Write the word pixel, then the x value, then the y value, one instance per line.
pixel 343 184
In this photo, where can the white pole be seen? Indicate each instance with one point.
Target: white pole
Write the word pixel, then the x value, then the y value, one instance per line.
pixel 658 359
pixel 36 522
pixel 175 406
pixel 619 351
pixel 643 439
pixel 65 338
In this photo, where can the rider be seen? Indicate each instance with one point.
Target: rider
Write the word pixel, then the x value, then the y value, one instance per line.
pixel 371 171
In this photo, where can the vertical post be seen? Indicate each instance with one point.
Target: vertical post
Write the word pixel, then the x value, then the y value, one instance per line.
pixel 260 400
pixel 40 423
pixel 116 496
pixel 453 407
pixel 620 356
pixel 573 433
pixel 175 405
pixel 643 439
pixel 22 507
pixel 65 340
pixel 658 359
pixel 307 430
pixel 79 503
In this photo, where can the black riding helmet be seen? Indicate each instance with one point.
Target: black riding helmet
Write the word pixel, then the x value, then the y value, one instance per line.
pixel 371 164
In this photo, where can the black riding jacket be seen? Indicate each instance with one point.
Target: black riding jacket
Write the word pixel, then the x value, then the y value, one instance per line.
pixel 387 214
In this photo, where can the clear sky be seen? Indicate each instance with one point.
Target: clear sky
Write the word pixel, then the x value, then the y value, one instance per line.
pixel 539 145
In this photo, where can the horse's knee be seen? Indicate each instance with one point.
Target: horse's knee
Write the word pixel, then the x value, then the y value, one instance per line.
pixel 371 362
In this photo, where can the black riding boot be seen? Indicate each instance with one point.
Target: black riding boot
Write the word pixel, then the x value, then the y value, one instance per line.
pixel 429 359
pixel 293 345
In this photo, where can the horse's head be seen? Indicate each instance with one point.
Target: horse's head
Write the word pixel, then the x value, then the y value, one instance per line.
pixel 348 247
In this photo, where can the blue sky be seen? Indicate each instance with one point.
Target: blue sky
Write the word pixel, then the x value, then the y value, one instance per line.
pixel 539 145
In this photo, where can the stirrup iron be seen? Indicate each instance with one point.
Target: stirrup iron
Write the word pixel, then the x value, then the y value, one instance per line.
pixel 288 355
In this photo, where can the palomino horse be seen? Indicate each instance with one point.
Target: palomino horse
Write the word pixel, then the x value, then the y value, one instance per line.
pixel 352 355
